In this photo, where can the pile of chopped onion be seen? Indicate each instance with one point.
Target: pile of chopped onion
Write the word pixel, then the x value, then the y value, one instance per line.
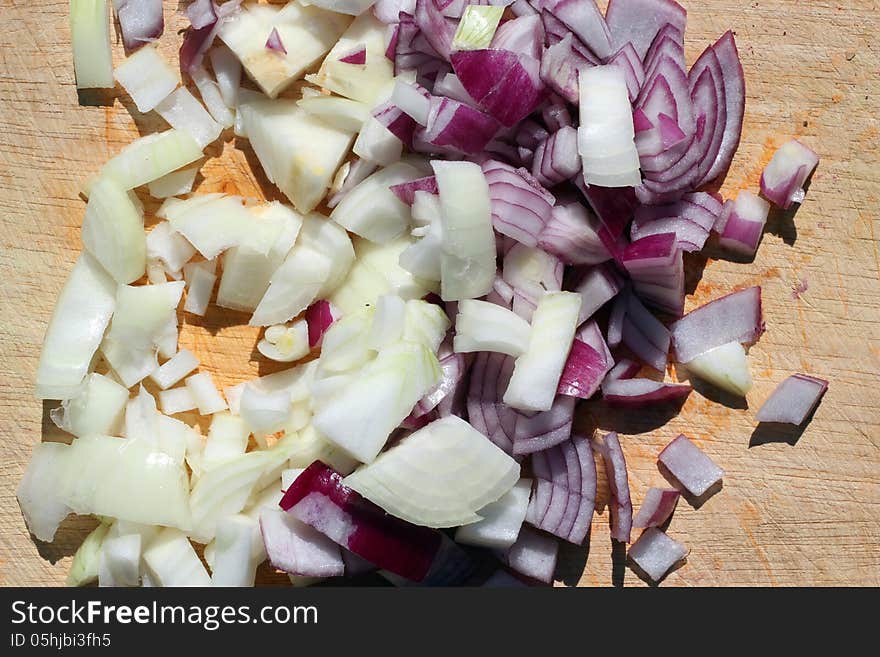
pixel 488 213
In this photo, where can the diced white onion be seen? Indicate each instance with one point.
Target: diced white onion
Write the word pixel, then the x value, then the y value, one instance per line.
pixel 120 561
pixel 200 285
pixel 227 72
pixel 169 247
pixel 211 96
pixel 234 563
pixel 501 521
pixel 113 231
pixel 207 397
pixel 175 369
pixel 484 326
pixel 96 409
pixel 90 34
pixel 151 157
pixel 388 322
pixel 146 77
pixel 177 400
pixel 181 110
pixel 172 561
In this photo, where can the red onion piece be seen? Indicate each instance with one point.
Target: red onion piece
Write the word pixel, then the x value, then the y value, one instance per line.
pixel 196 41
pixel 658 505
pixel 530 134
pixel 559 159
pixel 355 565
pixel 629 61
pixel 584 19
pixel 454 368
pixel 735 317
pixel 650 253
pixel 318 498
pixel 662 289
pixel 690 466
pixel 743 223
pixel 274 43
pixel 596 285
pixel 200 13
pixel 406 57
pixel 616 320
pixel 399 123
pixel 794 400
pixel 565 490
pixel 297 548
pixel 638 21
pixel 689 236
pixel 436 28
pixel 457 126
pixel 556 115
pixel 406 192
pixel 357 55
pixel 319 316
pixel 655 553
pixel 533 555
pixel 559 68
pixel 638 393
pixel 708 64
pixel 644 334
pixel 783 179
pixel 388 11
pixel 620 506
pixel 487 412
pixel 733 80
pixel 507 85
pixel 544 429
pixel 522 35
pixel 583 372
pixel 614 208
pixel 572 234
pixel 624 369
pixel 693 207
pixel 140 21
pixel 520 205
pixel 590 334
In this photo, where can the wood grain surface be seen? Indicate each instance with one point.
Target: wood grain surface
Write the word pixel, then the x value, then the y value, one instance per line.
pixel 796 508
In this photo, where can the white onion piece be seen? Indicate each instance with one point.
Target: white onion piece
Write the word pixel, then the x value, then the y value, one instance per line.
pixel 484 326
pixel 225 489
pixel 146 77
pixel 501 521
pixel 249 266
pixel 388 322
pixel 377 144
pixel 536 373
pixel 424 258
pixel 343 113
pixel 90 34
pixel 211 96
pixel 212 223
pixel 227 439
pixel 290 343
pixel 200 284
pixel 350 7
pixel 207 397
pixel 177 400
pixel 171 561
pixel 42 504
pixel 468 262
pixel 120 561
pixel 227 72
pixel 726 366
pixel 363 82
pixel 234 563
pixel 411 101
pixel 289 476
pixel 439 476
pixel 690 466
pixel 97 408
pixel 295 547
pixel 425 323
pixel 606 134
pixel 298 152
pixel 362 415
pixel 296 381
pixel 113 231
pixel 533 555
pixel 329 238
pixel 75 330
pixel 384 259
pixel 425 209
pixel 306 32
pixel 175 369
pixel 346 344
pixel 181 110
pixel 169 247
pixel 293 287
pixel 84 567
pixel 655 553
pixel 532 270
pixel 372 210
pixel 166 340
pixel 264 412
pixel 151 157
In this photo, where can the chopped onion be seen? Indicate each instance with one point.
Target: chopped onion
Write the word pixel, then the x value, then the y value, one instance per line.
pixel 521 207
pixel 182 111
pixel 658 505
pixel 489 379
pixel 264 412
pixel 483 326
pixel 151 157
pixel 200 284
pixel 96 409
pixel 644 334
pixel 655 553
pixel 90 35
pixel 726 366
pixel 175 369
pixel 735 317
pixel 286 343
pixel 501 520
pixel 695 471
pixel 744 221
pixel 169 248
pixel 205 393
pixel 583 373
pixel 176 183
pixel 618 484
pixel 293 287
pixel 545 429
pixel 75 330
pixel 639 21
pixel 477 27
pixel 113 231
pixel 782 181
pixel 597 286
pixel 146 77
pixel 84 567
pixel 177 400
pixel 234 563
pixel 171 561
pixel 140 21
pixel 641 392
pixel 119 561
pixel 533 555
pixel 536 373
pixel 297 548
pixel 794 400
pixel 227 440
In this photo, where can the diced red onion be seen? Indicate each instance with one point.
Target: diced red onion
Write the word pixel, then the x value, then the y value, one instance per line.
pixel 318 498
pixel 556 115
pixel 744 223
pixel 357 55
pixel 638 21
pixel 533 555
pixel 520 205
pixel 794 400
pixel 655 553
pixel 644 334
pixel 355 565
pixel 596 285
pixel 658 505
pixel 530 134
pixel 584 19
pixel 663 288
pixel 650 253
pixel 522 35
pixel 620 507
pixel 453 124
pixel 490 375
pixel 505 84
pixel 406 191
pixel 559 68
pixel 196 41
pixel 637 393
pixel 624 369
pixel 558 159
pixel 449 85
pixel 590 334
pixel 572 234
pixel 782 181
pixel 616 320
pixel 689 236
pixel 733 80
pixel 564 496
pixel 583 372
pixel 140 21
pixel 628 60
pixel 454 368
pixel 614 208
pixel 388 11
pixel 319 316
pixel 435 27
pixel 297 548
pixel 544 429
pixel 200 13
pixel 690 466
pixel 735 317
pixel 399 124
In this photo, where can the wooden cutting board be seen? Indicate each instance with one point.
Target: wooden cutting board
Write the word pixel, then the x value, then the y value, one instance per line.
pixel 797 508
